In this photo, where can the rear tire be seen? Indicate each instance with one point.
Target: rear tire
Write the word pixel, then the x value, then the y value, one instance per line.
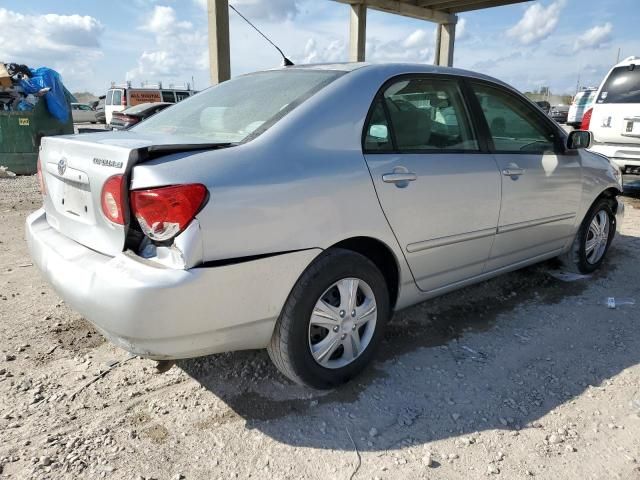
pixel 593 239
pixel 319 351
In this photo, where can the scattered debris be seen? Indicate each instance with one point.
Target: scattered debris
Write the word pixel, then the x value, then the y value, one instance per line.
pixel 6 173
pixel 163 366
pixel 613 302
pixel 102 374
pixel 567 276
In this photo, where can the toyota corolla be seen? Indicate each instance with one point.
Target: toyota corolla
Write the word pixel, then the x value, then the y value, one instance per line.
pixel 296 209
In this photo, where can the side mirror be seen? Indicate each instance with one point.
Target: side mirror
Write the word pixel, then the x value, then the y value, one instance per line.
pixel 379 132
pixel 579 139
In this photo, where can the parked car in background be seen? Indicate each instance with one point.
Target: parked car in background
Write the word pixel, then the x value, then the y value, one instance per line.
pixel 83 113
pixel 581 103
pixel 132 115
pixel 559 113
pixel 124 96
pixel 100 116
pixel 614 118
pixel 544 106
pixel 296 209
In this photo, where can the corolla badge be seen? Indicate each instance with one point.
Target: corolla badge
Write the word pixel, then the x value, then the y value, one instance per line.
pixel 62 166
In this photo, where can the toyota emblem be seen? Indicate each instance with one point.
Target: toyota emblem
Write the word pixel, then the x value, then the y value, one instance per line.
pixel 62 166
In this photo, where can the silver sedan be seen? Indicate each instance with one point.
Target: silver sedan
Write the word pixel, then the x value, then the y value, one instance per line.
pixel 296 209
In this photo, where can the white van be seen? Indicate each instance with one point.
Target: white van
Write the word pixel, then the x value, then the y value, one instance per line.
pixel 121 97
pixel 581 103
pixel 615 116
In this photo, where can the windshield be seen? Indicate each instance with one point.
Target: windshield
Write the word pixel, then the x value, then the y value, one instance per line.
pixel 245 106
pixel 622 86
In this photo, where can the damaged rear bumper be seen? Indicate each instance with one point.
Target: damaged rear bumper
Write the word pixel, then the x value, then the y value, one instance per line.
pixel 167 313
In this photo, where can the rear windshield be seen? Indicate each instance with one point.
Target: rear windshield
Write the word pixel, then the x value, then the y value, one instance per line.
pixel 622 86
pixel 240 108
pixel 584 98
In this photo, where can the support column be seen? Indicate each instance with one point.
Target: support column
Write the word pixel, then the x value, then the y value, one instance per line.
pixel 358 32
pixel 445 42
pixel 219 52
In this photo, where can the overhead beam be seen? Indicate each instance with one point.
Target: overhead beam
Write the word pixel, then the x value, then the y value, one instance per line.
pixel 405 9
pixel 484 4
pixel 358 32
pixel 219 45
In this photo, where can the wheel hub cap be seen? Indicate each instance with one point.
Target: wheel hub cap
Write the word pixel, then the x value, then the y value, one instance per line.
pixel 336 338
pixel 597 237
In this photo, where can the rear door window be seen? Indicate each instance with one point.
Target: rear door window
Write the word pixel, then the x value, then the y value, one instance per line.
pixel 622 86
pixel 428 114
pixel 109 99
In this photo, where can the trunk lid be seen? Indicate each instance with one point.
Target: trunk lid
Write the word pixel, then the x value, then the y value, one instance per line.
pixel 74 170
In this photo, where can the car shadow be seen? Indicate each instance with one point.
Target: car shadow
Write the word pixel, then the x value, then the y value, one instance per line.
pixel 436 376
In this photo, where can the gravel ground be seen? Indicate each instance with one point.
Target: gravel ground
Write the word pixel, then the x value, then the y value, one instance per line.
pixel 522 376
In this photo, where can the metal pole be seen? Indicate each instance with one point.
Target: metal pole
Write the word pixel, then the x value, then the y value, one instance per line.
pixel 219 51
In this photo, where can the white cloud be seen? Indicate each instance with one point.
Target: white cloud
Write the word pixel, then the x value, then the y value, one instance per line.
pixel 416 39
pixel 415 47
pixel 461 29
pixel 179 48
pixel 537 22
pixel 273 10
pixel 334 51
pixel 595 37
pixel 163 21
pixel 48 39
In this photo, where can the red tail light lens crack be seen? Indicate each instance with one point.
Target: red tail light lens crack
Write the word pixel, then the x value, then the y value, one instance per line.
pixel 164 212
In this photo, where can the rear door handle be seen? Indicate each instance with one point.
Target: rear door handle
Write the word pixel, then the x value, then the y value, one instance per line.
pixel 399 177
pixel 512 171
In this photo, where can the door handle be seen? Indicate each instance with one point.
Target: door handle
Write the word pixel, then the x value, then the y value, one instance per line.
pixel 399 177
pixel 513 171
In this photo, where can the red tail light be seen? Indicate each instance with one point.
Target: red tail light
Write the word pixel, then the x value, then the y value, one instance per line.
pixel 113 193
pixel 41 184
pixel 586 119
pixel 166 211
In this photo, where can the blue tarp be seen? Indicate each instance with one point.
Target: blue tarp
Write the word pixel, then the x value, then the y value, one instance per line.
pixel 56 99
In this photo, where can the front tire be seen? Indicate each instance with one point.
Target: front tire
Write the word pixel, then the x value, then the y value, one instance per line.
pixel 593 239
pixel 332 322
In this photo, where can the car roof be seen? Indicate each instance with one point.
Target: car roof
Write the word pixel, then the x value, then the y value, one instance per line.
pixel 394 69
pixel 628 61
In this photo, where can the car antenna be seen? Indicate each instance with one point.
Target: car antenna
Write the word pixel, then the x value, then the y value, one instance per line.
pixel 287 62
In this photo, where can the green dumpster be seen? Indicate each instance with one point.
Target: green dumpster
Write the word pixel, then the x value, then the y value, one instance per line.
pixel 20 134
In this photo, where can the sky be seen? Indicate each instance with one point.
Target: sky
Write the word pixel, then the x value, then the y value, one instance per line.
pixel 555 43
